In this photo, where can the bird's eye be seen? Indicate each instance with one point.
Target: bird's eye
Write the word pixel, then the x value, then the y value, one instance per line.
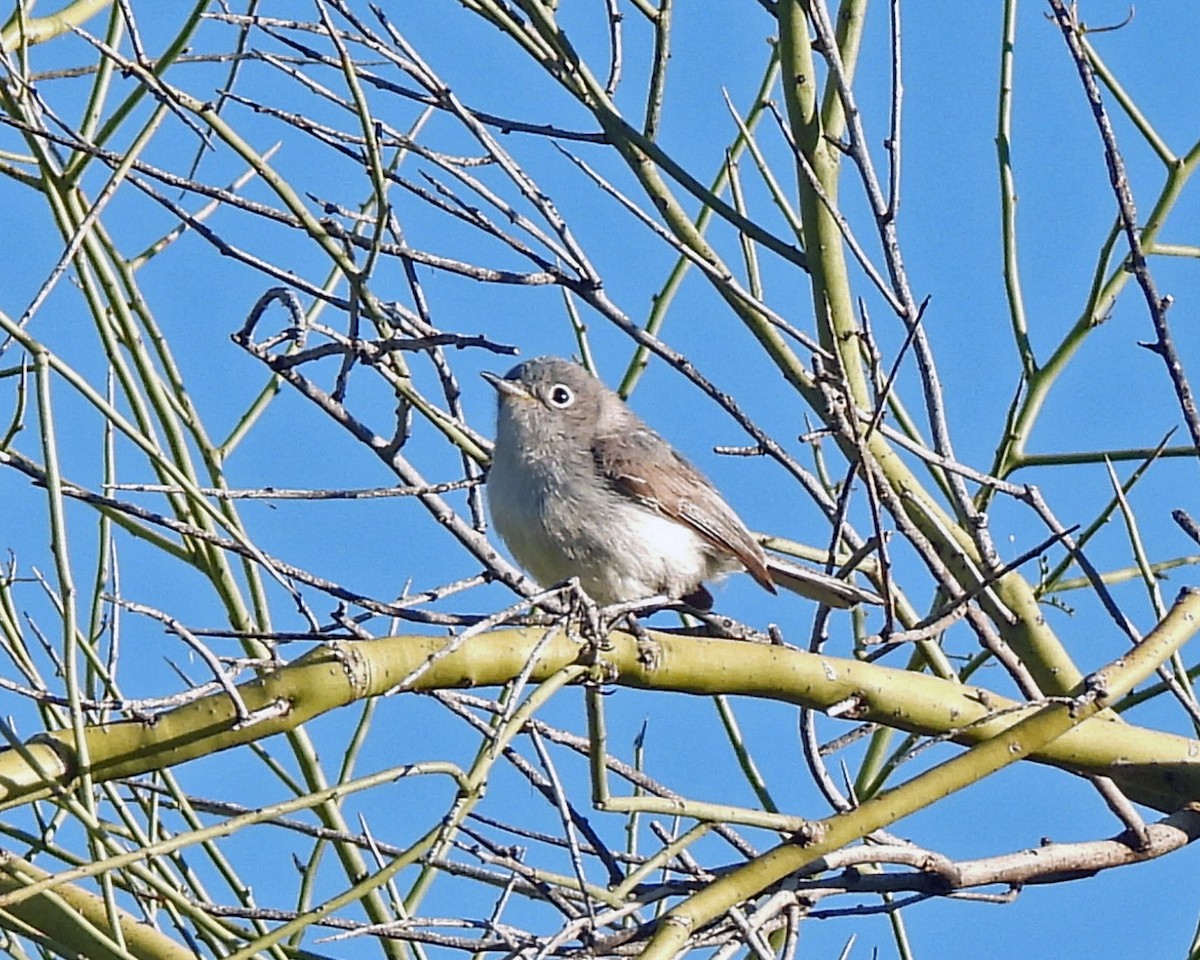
pixel 561 396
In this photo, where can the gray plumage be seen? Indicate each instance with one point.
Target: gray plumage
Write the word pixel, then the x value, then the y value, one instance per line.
pixel 580 486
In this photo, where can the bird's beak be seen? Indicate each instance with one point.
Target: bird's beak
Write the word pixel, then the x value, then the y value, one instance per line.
pixel 506 388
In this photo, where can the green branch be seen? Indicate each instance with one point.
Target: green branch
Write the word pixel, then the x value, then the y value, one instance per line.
pixel 1158 769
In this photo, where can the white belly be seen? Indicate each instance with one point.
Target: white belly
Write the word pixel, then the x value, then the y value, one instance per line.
pixel 619 549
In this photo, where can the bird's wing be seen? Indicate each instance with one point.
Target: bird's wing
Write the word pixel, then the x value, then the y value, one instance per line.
pixel 642 465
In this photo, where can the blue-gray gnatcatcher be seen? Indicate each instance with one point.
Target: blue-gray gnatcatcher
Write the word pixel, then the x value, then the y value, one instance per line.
pixel 580 487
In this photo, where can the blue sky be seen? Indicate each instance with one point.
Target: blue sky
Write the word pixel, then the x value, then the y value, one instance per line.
pixel 1113 395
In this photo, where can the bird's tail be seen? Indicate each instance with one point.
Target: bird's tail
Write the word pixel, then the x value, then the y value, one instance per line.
pixel 819 586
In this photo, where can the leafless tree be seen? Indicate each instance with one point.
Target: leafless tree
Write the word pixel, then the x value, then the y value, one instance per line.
pixel 278 245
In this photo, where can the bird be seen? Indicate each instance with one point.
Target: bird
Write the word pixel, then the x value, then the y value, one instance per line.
pixel 580 486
